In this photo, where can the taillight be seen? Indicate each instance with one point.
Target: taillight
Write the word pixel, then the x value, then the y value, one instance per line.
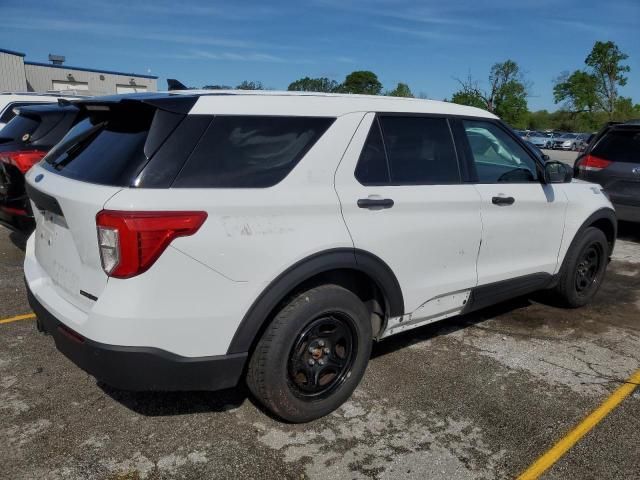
pixel 591 163
pixel 130 242
pixel 24 160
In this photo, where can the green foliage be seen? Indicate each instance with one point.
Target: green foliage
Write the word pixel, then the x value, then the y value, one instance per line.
pixel 506 96
pixel 217 87
pixel 401 90
pixel 577 90
pixel 470 98
pixel 250 85
pixel 322 84
pixel 596 87
pixel 363 82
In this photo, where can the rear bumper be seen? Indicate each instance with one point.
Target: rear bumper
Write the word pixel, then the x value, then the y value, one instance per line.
pixel 140 368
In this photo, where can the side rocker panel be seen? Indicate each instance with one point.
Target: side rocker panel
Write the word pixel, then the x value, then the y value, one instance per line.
pixel 340 258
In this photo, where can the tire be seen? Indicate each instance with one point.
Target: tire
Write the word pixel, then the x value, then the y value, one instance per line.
pixel 279 373
pixel 583 269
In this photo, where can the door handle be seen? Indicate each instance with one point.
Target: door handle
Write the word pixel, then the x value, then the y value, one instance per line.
pixel 503 200
pixel 375 203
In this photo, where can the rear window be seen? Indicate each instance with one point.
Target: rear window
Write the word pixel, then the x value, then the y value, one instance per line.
pixel 250 151
pixel 8 114
pixel 17 128
pixel 107 149
pixel 619 145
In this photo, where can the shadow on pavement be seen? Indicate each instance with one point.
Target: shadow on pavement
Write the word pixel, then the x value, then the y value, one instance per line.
pixel 629 231
pixel 155 404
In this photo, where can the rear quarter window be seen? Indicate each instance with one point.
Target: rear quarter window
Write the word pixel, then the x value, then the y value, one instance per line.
pixel 619 145
pixel 250 151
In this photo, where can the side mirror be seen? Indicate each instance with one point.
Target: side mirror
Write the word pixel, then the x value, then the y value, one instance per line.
pixel 557 172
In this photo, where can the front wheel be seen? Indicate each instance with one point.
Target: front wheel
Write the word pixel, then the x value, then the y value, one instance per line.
pixel 312 355
pixel 584 268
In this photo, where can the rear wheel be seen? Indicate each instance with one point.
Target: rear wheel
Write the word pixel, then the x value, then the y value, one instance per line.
pixel 584 268
pixel 312 356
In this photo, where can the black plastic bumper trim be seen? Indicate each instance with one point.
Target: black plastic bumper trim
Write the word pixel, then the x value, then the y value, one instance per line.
pixel 140 368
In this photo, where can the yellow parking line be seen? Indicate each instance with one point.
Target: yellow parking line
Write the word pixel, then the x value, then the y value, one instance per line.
pixel 559 449
pixel 26 316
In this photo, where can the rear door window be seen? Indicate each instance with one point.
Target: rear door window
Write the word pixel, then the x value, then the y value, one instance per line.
pixel 250 151
pixel 420 150
pixel 619 145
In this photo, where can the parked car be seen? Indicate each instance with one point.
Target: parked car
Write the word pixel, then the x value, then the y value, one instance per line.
pixel 612 159
pixel 9 101
pixel 569 141
pixel 23 142
pixel 540 140
pixel 541 155
pixel 276 235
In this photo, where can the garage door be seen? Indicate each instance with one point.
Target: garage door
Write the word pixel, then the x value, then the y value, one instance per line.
pixel 66 85
pixel 130 88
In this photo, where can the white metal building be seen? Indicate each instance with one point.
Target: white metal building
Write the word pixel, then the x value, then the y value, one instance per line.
pixel 18 75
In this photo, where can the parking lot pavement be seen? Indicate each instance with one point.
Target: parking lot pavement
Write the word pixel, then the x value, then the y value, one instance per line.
pixel 479 396
pixel 565 156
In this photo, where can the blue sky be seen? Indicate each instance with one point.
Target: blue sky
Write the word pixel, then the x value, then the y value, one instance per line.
pixel 426 44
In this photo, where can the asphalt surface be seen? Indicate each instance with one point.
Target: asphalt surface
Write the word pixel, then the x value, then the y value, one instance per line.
pixel 480 396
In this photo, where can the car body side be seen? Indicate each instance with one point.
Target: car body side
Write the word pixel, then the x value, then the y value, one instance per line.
pixel 201 311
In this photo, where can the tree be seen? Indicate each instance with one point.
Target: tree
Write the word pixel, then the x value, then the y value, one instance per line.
pixel 217 87
pixel 596 87
pixel 306 84
pixel 577 90
pixel 250 85
pixel 363 81
pixel 401 90
pixel 506 95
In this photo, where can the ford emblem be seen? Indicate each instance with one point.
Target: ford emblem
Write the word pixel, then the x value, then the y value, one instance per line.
pixel 38 177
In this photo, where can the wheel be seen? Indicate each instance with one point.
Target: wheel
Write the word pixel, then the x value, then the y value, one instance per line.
pixel 574 147
pixel 583 269
pixel 313 354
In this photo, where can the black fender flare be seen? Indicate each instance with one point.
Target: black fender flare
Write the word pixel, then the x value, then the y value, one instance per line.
pixel 339 258
pixel 604 213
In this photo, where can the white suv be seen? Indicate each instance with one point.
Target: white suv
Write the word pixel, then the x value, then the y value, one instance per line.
pixel 185 241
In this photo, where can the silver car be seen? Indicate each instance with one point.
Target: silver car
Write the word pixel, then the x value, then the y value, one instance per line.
pixel 540 140
pixel 569 141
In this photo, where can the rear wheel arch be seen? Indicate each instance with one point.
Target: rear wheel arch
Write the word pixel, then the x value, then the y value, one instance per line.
pixel 365 274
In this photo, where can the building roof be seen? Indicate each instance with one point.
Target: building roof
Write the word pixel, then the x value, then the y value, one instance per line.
pixel 108 72
pixel 11 52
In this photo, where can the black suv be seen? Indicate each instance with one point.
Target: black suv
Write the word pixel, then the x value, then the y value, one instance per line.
pixel 24 141
pixel 612 159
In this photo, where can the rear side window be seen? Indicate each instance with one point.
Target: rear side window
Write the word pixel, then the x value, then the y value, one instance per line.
pixel 250 151
pixel 619 145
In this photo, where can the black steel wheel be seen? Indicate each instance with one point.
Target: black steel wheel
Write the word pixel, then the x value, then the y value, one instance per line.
pixel 312 355
pixel 322 356
pixel 588 267
pixel 583 268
